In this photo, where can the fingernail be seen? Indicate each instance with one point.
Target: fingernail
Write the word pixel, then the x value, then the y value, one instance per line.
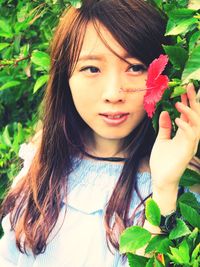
pixel 178 104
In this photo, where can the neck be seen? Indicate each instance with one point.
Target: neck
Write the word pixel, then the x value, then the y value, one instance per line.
pixel 101 147
pixel 112 159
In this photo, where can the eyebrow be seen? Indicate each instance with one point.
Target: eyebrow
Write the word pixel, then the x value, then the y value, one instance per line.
pixel 101 57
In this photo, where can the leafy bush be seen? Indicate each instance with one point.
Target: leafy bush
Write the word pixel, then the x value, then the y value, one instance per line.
pixel 26 29
pixel 178 248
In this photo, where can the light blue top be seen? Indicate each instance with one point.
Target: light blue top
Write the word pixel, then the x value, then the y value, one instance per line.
pixel 81 240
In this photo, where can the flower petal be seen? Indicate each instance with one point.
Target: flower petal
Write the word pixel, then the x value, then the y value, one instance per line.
pixel 156 84
pixel 155 94
pixel 150 108
pixel 156 68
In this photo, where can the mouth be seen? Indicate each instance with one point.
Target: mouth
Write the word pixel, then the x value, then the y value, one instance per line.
pixel 114 119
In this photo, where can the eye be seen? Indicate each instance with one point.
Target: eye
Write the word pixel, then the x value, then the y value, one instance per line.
pixel 90 69
pixel 137 68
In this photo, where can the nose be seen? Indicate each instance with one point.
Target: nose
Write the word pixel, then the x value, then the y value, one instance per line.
pixel 112 92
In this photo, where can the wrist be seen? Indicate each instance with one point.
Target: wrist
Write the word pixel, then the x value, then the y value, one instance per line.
pixel 165 186
pixel 166 199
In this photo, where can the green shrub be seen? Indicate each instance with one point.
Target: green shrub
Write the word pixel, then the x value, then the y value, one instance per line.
pixel 26 29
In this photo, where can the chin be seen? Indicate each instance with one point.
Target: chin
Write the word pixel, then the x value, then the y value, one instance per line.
pixel 114 135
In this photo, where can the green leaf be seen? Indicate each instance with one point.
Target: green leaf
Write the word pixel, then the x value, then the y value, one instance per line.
pixel 135 260
pixel 152 212
pixel 190 215
pixel 183 3
pixel 25 50
pixel 18 138
pixel 41 59
pixel 3 145
pixel 9 85
pixel 190 200
pixel 180 14
pixel 22 13
pixel 193 235
pixel 5 29
pixel 174 82
pixel 195 252
pixel 76 3
pixel 194 41
pixel 40 82
pixel 192 67
pixel 3 45
pixel 156 3
pixel 182 27
pixel 189 177
pixel 164 245
pixel 177 55
pixel 180 230
pixel 167 105
pixel 159 243
pixel 150 263
pixel 178 90
pixel 157 263
pixel 6 137
pixel 176 256
pixel 184 250
pixel 196 263
pixel 153 243
pixel 16 43
pixel 193 239
pixel 133 238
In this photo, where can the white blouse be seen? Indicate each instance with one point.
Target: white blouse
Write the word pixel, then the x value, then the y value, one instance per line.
pixel 78 239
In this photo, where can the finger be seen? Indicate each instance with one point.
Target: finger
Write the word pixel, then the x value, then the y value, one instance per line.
pixel 165 126
pixel 192 96
pixel 184 100
pixel 192 116
pixel 186 129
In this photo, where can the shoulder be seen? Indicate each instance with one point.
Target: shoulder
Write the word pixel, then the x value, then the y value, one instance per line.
pixel 27 152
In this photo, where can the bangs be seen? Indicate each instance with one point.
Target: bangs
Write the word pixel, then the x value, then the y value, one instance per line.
pixel 139 33
pixel 136 26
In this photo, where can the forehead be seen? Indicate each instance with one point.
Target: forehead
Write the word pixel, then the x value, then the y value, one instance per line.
pixel 93 45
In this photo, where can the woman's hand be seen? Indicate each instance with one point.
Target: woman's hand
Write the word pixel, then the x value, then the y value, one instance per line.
pixel 170 157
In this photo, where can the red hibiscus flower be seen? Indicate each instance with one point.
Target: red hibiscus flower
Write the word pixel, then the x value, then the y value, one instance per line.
pixel 156 84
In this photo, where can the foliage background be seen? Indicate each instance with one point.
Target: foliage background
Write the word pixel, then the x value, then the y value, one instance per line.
pixel 26 29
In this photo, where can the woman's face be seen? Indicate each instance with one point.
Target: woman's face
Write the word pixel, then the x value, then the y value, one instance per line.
pixel 100 85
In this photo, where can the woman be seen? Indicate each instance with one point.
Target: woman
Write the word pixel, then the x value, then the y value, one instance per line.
pixel 98 159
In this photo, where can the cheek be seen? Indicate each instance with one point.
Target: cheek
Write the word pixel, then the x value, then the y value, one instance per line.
pixel 137 100
pixel 136 105
pixel 82 98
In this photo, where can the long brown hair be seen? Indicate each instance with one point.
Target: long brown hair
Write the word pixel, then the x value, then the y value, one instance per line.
pixel 34 203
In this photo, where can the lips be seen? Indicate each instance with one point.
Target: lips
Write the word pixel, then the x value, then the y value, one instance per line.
pixel 114 114
pixel 114 119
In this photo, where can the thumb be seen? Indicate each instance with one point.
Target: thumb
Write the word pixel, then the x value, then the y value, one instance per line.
pixel 165 126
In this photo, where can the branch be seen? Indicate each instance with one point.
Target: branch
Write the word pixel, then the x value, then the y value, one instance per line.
pixel 14 62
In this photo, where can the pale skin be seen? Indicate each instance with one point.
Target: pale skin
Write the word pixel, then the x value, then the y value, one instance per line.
pixel 95 86
pixel 177 152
